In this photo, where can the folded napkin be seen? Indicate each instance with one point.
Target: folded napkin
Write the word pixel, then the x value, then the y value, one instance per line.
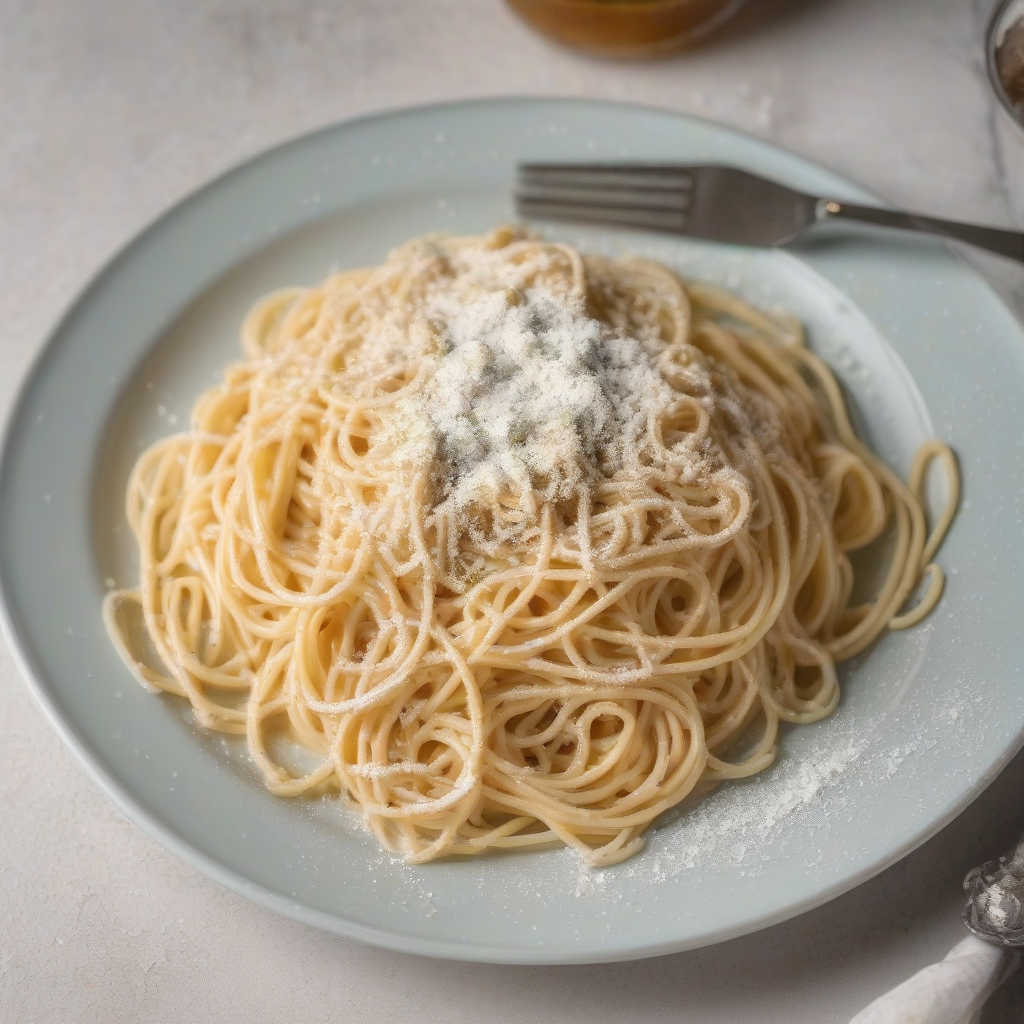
pixel 950 992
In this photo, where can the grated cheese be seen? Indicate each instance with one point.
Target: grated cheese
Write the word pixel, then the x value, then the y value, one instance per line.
pixel 531 394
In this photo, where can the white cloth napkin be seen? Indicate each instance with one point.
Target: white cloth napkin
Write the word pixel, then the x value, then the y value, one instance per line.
pixel 950 992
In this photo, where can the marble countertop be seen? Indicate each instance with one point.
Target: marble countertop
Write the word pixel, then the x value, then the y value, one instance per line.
pixel 110 110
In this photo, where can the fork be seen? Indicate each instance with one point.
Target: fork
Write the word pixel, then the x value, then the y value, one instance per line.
pixel 723 204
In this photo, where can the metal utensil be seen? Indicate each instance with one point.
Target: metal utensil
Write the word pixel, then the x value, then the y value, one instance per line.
pixel 955 988
pixel 724 204
pixel 995 899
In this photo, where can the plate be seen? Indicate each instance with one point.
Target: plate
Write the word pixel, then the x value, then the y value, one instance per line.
pixel 928 716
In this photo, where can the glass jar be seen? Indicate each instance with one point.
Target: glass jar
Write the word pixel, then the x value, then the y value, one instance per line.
pixel 625 28
pixel 1010 118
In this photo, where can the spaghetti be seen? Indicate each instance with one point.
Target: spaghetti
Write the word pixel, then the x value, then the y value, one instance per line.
pixel 522 544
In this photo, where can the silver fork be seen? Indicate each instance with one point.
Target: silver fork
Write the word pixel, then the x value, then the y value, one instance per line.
pixel 723 204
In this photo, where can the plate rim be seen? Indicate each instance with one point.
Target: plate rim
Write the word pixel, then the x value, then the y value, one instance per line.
pixel 149 821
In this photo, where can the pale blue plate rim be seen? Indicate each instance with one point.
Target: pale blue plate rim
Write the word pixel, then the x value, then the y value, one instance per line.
pixel 149 821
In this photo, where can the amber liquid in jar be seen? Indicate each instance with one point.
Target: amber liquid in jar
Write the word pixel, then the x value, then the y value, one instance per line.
pixel 627 28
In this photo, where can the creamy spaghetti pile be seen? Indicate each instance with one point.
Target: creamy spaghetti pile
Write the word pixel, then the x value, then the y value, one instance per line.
pixel 522 544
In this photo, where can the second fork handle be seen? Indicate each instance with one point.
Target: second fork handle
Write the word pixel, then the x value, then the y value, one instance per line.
pixel 1006 243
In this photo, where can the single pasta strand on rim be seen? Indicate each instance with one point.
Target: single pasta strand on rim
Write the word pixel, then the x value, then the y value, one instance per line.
pixel 522 544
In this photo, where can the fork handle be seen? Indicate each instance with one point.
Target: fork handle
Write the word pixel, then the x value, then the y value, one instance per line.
pixel 1006 243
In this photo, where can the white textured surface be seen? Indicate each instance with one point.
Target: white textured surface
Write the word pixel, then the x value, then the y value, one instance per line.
pixel 112 109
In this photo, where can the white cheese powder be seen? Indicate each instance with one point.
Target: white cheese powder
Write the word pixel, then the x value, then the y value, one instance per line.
pixel 531 394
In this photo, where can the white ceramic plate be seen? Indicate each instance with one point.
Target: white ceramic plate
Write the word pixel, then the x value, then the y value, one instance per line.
pixel 927 718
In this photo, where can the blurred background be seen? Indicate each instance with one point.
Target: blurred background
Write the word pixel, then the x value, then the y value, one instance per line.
pixel 110 111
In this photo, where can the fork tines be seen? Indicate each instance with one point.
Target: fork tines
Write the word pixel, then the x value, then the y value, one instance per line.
pixel 652 196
